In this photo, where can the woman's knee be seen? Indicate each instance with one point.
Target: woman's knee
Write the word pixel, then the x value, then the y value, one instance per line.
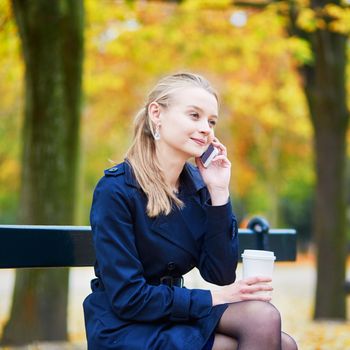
pixel 264 313
pixel 272 314
pixel 251 318
pixel 288 343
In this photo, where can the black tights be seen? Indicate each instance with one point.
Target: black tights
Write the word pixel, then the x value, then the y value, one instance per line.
pixel 252 325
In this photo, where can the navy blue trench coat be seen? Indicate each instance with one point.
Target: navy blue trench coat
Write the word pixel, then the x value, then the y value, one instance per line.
pixel 129 308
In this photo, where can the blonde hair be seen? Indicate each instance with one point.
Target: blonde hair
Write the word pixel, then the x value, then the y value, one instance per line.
pixel 142 152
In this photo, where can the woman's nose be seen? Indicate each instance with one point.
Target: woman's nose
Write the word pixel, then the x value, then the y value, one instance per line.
pixel 205 127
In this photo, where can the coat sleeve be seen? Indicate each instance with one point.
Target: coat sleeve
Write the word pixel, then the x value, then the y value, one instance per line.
pixel 219 253
pixel 120 269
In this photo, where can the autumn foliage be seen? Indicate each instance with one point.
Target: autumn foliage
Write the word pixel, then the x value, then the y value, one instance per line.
pixel 246 54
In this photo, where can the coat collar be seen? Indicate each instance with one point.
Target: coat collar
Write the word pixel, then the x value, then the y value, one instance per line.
pixel 129 175
pixel 190 179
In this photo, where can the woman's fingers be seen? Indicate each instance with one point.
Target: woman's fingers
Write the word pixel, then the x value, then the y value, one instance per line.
pixel 221 160
pixel 246 297
pixel 257 288
pixel 222 149
pixel 251 288
pixel 256 279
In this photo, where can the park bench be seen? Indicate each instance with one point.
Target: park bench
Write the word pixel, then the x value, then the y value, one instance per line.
pixel 31 246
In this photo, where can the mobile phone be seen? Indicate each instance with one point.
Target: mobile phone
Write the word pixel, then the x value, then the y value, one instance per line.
pixel 208 155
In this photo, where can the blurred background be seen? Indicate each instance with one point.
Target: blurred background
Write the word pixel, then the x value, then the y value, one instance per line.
pixel 283 117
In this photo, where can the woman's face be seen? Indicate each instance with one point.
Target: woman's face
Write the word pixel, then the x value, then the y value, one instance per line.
pixel 187 125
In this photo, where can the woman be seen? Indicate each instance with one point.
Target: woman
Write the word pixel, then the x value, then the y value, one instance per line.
pixel 155 217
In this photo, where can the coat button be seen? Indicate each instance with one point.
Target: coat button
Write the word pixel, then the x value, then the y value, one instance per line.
pixel 112 170
pixel 171 266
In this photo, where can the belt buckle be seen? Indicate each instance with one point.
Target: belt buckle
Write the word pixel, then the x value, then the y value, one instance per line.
pixel 172 281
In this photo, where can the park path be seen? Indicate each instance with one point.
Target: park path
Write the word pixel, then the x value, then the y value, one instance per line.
pixel 293 296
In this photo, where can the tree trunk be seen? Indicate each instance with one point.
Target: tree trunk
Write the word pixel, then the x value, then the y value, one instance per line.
pixel 52 43
pixel 325 89
pixel 326 94
pixel 329 224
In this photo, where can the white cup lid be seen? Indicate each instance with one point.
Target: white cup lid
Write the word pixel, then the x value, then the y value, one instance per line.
pixel 258 254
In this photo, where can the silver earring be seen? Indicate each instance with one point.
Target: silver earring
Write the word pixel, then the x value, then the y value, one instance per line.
pixel 157 134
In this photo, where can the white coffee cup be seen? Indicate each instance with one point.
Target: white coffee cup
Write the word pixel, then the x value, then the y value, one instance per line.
pixel 258 263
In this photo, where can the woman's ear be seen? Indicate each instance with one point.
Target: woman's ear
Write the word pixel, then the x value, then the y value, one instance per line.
pixel 154 112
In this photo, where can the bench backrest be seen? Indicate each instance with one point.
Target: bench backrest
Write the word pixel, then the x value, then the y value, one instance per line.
pixel 23 246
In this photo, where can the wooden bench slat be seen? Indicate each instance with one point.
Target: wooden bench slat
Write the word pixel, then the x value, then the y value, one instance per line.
pixel 45 246
pixel 29 246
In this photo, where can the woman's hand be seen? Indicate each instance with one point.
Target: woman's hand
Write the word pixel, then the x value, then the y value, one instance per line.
pixel 243 290
pixel 217 175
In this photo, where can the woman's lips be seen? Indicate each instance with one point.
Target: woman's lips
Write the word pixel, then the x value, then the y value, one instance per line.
pixel 199 142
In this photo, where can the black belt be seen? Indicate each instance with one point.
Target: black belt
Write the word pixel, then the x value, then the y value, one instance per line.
pixel 96 283
pixel 172 281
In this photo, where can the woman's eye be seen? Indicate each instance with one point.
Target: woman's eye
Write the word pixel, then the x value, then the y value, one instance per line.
pixel 212 123
pixel 194 115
